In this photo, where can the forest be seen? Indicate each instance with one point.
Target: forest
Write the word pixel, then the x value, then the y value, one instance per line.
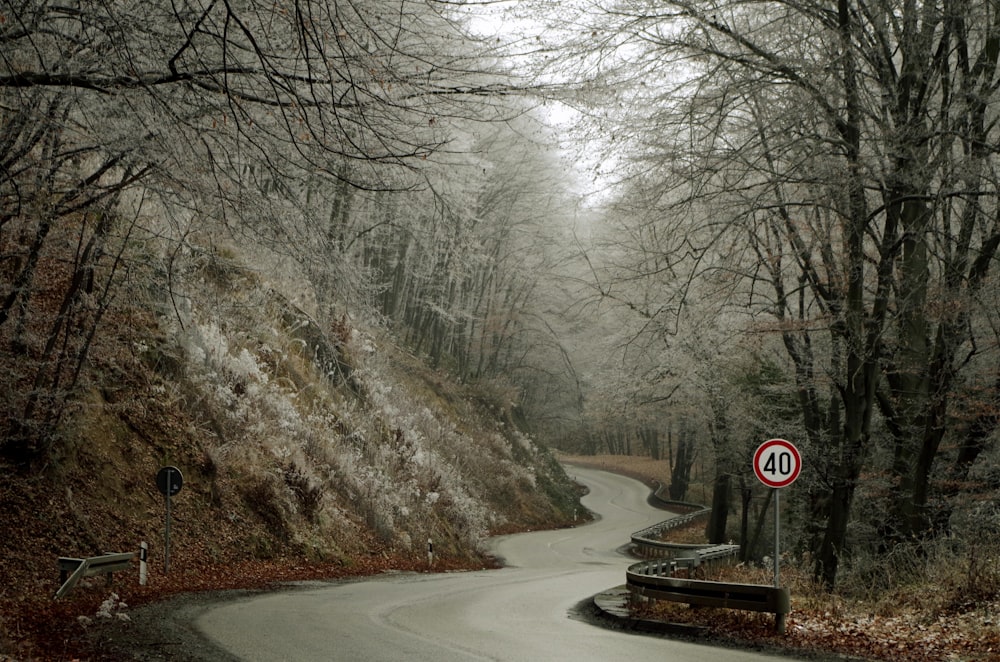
pixel 673 228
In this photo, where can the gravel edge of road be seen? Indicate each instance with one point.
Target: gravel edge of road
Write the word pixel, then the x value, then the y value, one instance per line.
pixel 167 630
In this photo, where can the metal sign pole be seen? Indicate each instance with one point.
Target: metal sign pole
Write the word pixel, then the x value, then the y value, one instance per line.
pixel 166 547
pixel 777 538
pixel 143 557
pixel 169 481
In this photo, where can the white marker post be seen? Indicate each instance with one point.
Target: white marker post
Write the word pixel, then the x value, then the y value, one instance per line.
pixel 430 552
pixel 777 464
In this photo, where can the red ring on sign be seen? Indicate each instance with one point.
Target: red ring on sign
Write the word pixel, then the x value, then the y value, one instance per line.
pixel 763 477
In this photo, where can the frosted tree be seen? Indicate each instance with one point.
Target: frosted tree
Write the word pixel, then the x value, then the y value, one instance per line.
pixel 248 115
pixel 852 145
pixel 461 277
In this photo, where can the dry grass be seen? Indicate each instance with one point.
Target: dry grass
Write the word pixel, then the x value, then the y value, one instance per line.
pixel 641 468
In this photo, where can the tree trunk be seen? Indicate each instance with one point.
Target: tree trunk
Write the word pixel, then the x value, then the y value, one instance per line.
pixel 680 469
pixel 862 330
pixel 650 438
pixel 747 494
pixel 715 531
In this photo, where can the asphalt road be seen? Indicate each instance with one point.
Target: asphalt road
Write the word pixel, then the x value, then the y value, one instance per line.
pixel 521 612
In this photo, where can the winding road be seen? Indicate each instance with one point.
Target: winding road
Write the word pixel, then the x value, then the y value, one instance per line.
pixel 521 612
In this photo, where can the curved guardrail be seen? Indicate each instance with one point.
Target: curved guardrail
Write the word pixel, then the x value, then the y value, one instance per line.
pixel 646 580
pixel 656 580
pixel 658 495
pixel 648 542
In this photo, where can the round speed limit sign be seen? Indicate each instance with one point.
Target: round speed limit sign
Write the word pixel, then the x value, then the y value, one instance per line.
pixel 777 463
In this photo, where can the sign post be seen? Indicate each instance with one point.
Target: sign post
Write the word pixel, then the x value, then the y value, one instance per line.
pixel 169 481
pixel 777 464
pixel 143 555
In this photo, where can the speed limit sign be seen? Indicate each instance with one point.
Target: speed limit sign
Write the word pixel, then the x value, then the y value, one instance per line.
pixel 777 463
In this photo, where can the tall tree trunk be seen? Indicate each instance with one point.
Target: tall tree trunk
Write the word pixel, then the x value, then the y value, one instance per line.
pixel 746 494
pixel 650 438
pixel 680 468
pixel 718 519
pixel 862 332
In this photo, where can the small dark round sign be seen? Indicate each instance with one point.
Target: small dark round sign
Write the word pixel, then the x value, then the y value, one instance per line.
pixel 169 481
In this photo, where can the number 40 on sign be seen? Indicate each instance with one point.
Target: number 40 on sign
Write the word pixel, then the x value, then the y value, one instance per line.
pixel 777 463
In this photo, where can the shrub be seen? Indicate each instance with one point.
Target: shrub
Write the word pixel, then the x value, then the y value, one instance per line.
pixel 262 498
pixel 308 492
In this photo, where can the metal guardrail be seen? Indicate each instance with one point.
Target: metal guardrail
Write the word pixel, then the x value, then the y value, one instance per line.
pixel 648 544
pixel 667 501
pixel 90 567
pixel 697 557
pixel 645 582
pixel 655 580
pixel 672 523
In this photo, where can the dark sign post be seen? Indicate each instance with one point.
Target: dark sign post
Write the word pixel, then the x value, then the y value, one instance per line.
pixel 777 464
pixel 169 481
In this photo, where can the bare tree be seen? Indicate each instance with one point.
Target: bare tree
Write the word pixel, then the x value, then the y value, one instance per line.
pixel 853 146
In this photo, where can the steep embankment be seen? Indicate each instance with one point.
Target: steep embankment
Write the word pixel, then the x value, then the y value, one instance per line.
pixel 307 449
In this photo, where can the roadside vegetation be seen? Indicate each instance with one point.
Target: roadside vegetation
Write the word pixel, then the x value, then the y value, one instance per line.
pixel 307 452
pixel 354 273
pixel 907 606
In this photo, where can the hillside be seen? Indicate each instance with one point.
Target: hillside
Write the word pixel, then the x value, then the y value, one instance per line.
pixel 307 448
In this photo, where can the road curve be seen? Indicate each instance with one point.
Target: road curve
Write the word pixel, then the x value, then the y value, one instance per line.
pixel 520 612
